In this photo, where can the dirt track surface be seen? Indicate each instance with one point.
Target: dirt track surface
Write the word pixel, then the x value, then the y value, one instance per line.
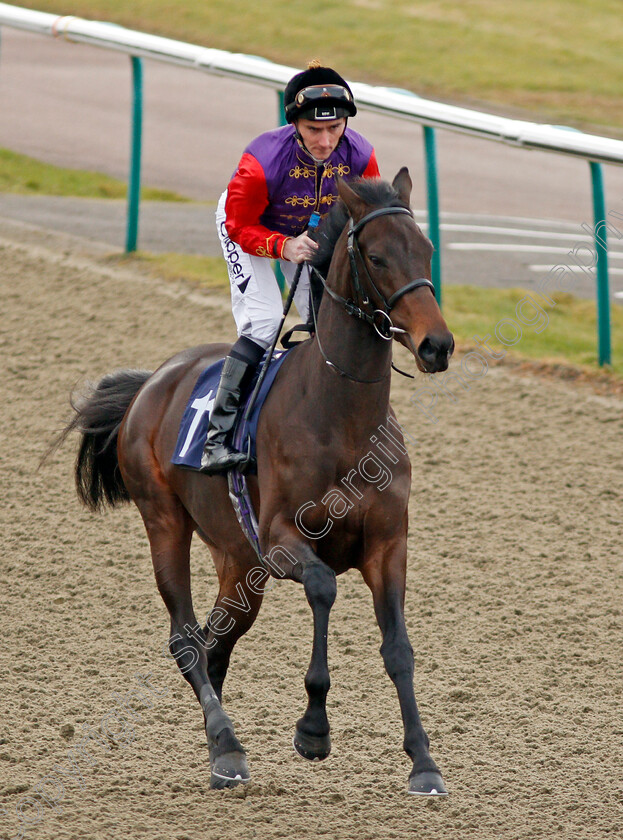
pixel 513 606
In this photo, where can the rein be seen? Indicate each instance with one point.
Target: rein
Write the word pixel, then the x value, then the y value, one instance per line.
pixel 385 329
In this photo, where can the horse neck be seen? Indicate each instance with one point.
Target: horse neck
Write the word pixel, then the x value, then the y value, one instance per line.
pixel 353 346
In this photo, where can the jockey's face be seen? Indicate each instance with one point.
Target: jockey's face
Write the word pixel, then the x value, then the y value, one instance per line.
pixel 321 138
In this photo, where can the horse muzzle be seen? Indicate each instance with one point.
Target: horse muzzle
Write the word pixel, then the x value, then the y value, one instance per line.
pixel 434 352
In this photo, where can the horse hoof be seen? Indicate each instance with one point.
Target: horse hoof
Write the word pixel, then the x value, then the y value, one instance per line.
pixel 229 770
pixel 427 784
pixel 312 747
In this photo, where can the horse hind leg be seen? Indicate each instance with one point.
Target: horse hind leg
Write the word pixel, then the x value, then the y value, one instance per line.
pixel 234 612
pixel 170 531
pixel 235 609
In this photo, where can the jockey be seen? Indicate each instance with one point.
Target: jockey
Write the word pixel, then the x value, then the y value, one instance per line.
pixel 283 177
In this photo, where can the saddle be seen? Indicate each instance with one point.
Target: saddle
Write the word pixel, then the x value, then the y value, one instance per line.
pixel 194 427
pixel 196 416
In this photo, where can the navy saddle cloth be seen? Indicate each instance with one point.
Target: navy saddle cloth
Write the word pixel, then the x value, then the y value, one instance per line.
pixel 194 425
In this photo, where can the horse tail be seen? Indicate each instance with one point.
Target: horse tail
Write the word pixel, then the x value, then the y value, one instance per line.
pixel 98 416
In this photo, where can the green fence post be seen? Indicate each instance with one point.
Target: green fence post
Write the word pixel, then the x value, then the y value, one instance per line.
pixel 134 181
pixel 281 116
pixel 432 193
pixel 281 120
pixel 601 247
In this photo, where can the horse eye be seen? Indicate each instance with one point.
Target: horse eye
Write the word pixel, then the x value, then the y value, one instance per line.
pixel 377 262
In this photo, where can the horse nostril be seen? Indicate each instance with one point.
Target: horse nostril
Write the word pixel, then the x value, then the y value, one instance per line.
pixel 427 351
pixel 435 352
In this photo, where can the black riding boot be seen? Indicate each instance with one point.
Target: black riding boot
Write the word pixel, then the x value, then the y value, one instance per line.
pixel 218 456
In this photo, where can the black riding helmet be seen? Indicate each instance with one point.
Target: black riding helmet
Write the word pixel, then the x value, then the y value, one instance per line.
pixel 318 93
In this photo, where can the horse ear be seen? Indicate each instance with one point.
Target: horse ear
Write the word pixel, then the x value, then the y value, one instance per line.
pixel 403 185
pixel 355 205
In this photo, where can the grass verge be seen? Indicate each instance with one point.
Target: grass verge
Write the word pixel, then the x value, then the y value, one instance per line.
pixel 564 334
pixel 202 272
pixel 26 176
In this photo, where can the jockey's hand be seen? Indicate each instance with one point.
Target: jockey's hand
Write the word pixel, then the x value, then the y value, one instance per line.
pixel 300 248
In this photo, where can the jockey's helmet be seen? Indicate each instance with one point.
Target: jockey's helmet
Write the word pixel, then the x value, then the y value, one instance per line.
pixel 318 93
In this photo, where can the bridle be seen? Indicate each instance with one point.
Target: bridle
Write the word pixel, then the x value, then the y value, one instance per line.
pixel 361 297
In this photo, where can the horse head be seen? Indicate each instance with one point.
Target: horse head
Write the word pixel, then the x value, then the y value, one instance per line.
pixel 390 269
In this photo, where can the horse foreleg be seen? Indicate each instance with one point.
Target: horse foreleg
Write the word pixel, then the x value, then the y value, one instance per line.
pixel 311 738
pixel 170 532
pixel 384 571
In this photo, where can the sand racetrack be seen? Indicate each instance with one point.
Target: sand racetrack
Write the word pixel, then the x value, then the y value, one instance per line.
pixel 514 608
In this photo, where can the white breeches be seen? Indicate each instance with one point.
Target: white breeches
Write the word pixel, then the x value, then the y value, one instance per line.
pixel 256 300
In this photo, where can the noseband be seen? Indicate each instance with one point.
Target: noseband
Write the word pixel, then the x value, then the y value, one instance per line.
pixel 386 330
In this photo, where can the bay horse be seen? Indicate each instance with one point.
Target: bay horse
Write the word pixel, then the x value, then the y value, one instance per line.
pixel 329 401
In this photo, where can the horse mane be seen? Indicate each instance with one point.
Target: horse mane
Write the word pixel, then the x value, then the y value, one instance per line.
pixel 374 192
